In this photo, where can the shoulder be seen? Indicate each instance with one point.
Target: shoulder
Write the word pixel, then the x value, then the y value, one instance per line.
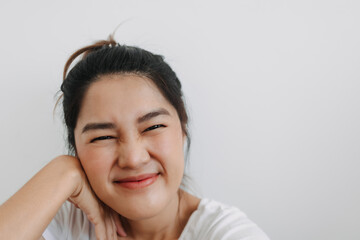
pixel 69 223
pixel 214 220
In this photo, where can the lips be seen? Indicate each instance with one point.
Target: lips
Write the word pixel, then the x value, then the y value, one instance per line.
pixel 137 182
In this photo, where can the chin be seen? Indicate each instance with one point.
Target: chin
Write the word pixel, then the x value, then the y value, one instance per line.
pixel 141 209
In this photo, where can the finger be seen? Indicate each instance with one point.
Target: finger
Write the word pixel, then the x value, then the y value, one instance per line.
pixel 119 227
pixel 113 228
pixel 100 226
pixel 77 206
pixel 100 231
pixel 110 227
pixel 97 217
pixel 87 201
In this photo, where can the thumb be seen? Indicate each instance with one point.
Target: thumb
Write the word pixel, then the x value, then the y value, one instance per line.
pixel 119 227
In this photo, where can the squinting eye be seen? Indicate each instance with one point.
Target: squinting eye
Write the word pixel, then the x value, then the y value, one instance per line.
pixel 101 138
pixel 154 127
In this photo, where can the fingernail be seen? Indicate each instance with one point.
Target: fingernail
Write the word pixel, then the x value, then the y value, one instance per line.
pixel 121 233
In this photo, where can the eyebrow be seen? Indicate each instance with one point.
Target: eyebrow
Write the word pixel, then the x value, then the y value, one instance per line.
pixel 109 125
pixel 152 114
pixel 96 126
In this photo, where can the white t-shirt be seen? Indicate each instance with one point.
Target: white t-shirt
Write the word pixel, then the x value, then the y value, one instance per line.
pixel 211 221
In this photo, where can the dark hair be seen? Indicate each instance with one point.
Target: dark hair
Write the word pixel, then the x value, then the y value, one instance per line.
pixel 108 57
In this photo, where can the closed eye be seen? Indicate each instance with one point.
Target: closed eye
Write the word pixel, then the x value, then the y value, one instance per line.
pixel 101 138
pixel 154 127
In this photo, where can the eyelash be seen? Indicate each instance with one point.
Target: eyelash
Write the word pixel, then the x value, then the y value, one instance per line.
pixel 101 138
pixel 154 127
pixel 110 137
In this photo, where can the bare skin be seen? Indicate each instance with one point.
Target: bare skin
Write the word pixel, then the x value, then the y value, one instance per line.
pixel 171 229
pixel 143 135
pixel 26 215
pixel 138 132
pixel 63 179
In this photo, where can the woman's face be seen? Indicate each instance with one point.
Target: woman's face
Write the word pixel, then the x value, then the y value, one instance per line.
pixel 130 143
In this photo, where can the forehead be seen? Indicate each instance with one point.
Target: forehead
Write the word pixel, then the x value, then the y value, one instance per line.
pixel 121 96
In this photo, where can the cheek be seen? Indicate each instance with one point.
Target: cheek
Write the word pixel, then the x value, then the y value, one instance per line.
pixel 96 163
pixel 168 149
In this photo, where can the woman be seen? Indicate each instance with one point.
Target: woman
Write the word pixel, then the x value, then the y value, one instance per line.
pixel 127 125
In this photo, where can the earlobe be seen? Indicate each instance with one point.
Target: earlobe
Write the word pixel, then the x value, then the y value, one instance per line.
pixel 183 137
pixel 185 142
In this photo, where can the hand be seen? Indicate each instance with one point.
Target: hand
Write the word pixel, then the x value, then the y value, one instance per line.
pixel 106 221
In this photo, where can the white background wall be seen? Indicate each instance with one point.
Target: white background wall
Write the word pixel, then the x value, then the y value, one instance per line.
pixel 272 87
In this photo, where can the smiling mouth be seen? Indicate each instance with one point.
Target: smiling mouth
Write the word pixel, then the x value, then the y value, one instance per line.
pixel 138 182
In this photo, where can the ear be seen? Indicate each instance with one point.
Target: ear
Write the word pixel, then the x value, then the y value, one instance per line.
pixel 184 137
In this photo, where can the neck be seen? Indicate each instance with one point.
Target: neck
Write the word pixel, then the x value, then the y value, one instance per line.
pixel 168 224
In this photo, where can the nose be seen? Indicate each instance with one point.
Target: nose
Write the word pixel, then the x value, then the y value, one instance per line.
pixel 132 154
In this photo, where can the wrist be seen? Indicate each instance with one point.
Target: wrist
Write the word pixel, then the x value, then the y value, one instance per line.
pixel 70 173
